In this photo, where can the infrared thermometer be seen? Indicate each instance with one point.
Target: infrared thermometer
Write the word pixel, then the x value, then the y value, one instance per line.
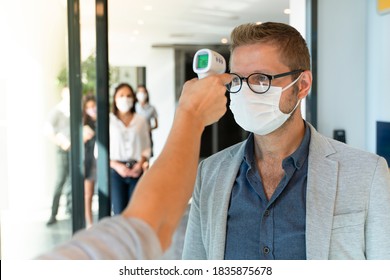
pixel 207 62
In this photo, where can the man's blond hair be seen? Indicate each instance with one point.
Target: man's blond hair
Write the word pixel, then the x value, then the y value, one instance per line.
pixel 292 47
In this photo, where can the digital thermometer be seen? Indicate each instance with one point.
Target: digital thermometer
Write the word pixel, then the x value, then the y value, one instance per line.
pixel 207 62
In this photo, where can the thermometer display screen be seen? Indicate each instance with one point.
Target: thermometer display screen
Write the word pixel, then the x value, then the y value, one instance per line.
pixel 203 60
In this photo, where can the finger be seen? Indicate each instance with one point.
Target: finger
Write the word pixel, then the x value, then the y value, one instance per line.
pixel 226 78
pixel 193 80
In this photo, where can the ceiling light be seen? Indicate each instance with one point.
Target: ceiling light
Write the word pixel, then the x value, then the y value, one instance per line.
pixel 136 32
pixel 258 22
pixel 287 11
pixel 148 8
pixel 224 40
pixel 140 22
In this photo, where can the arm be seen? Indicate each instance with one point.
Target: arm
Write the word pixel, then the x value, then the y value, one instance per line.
pixel 54 136
pixel 144 142
pixel 112 238
pixel 120 168
pixel 155 119
pixel 162 195
pixel 88 133
pixel 155 123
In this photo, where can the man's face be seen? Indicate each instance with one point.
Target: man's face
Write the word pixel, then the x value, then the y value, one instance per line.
pixel 264 58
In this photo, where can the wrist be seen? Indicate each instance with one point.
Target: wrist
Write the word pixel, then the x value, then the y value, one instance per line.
pixel 142 161
pixel 189 118
pixel 115 164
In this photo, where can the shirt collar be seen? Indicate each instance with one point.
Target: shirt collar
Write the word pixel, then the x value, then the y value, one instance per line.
pixel 249 153
pixel 298 157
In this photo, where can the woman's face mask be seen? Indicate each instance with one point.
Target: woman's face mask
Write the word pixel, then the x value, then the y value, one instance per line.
pixel 91 112
pixel 141 96
pixel 124 104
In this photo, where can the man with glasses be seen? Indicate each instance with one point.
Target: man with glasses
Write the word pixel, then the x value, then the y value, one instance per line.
pixel 287 192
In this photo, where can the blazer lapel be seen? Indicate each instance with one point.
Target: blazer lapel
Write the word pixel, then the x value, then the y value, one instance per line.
pixel 320 198
pixel 225 178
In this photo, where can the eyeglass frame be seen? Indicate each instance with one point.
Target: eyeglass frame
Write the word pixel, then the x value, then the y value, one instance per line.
pixel 270 78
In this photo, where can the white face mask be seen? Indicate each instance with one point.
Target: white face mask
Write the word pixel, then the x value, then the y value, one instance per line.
pixel 259 113
pixel 141 97
pixel 91 112
pixel 124 104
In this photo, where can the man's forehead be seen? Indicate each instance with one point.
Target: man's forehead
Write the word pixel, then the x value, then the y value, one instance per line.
pixel 254 58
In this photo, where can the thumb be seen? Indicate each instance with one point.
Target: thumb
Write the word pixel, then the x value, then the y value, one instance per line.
pixel 226 78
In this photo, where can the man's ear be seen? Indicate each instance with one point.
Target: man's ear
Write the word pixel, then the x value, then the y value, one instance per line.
pixel 305 84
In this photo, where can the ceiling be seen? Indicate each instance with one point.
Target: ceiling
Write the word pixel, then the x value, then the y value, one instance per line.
pixel 159 22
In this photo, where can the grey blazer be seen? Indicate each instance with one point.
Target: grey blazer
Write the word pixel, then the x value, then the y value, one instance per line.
pixel 347 207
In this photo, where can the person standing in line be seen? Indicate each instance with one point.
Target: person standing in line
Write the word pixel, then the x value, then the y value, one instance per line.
pixel 57 128
pixel 129 146
pixel 145 109
pixel 89 137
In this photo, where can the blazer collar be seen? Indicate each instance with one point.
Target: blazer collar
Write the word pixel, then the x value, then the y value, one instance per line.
pixel 320 197
pixel 227 171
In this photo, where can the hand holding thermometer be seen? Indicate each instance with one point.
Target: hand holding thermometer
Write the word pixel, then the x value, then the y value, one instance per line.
pixel 207 62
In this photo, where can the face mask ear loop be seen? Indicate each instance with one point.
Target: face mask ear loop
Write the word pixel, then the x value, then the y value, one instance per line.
pixel 296 106
pixel 293 82
pixel 299 100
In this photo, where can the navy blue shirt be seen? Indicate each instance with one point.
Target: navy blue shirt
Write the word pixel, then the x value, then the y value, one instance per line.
pixel 275 229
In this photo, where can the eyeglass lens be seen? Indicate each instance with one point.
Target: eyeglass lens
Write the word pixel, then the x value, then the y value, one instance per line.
pixel 257 82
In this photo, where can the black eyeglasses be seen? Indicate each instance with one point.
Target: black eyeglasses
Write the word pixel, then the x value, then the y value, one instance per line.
pixel 257 82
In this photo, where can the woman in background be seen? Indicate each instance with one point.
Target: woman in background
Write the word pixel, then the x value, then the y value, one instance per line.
pixel 148 111
pixel 129 146
pixel 89 129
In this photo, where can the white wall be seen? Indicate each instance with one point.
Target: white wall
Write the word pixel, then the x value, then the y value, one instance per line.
pixel 353 69
pixel 34 49
pixel 378 72
pixel 342 64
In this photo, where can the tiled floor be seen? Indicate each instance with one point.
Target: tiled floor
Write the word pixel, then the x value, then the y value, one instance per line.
pixel 25 235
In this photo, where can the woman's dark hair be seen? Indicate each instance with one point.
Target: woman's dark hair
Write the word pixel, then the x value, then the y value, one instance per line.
pixel 118 87
pixel 89 97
